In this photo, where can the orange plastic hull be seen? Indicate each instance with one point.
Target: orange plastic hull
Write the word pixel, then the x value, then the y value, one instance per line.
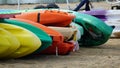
pixel 56 36
pixel 63 48
pixel 48 17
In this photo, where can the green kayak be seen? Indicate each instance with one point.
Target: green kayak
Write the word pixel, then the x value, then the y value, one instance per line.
pixel 96 32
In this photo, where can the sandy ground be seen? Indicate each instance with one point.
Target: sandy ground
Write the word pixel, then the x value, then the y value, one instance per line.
pixel 104 56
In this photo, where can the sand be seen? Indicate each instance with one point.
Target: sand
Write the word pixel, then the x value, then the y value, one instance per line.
pixel 103 56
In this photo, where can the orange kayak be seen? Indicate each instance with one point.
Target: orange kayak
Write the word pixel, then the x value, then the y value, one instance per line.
pixel 56 36
pixel 48 17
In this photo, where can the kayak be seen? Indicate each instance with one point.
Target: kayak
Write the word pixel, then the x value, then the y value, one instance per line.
pixel 8 43
pixel 8 15
pixel 43 36
pixel 67 32
pixel 48 17
pixel 56 36
pixel 62 48
pixel 29 42
pixel 105 15
pixel 9 11
pixel 96 32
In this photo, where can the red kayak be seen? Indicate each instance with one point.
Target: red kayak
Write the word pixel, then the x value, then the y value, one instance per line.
pixel 63 48
pixel 8 15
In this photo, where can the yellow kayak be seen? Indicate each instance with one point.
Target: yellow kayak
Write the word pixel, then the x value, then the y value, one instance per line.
pixel 8 43
pixel 29 42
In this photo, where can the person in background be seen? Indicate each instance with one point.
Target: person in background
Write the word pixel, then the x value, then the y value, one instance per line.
pixel 87 4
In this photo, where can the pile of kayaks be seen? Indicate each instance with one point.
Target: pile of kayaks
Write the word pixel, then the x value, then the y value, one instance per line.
pixel 48 31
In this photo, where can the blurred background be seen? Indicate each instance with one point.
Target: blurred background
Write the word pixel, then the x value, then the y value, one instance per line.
pixel 30 4
pixel 41 1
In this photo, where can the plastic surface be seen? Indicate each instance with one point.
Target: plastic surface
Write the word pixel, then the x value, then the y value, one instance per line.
pixel 29 42
pixel 48 17
pixel 8 43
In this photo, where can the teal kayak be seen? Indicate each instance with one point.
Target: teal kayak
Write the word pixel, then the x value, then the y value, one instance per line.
pixel 9 11
pixel 96 32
